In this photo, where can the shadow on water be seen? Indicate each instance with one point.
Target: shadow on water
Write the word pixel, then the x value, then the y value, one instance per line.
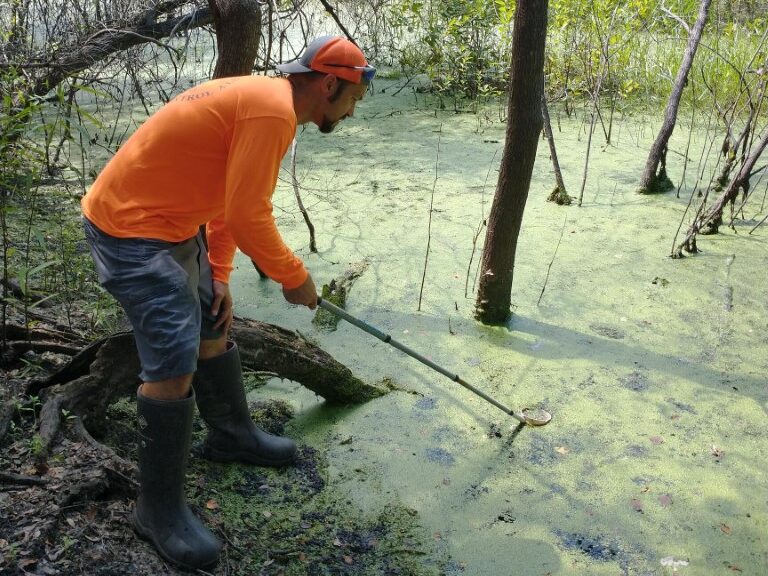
pixel 614 352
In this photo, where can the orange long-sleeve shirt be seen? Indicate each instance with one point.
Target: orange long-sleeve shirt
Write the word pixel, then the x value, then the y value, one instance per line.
pixel 210 156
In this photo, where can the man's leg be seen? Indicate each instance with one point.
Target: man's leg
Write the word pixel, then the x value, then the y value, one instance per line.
pixel 170 389
pixel 211 349
pixel 161 514
pixel 165 315
pixel 232 435
pixel 218 385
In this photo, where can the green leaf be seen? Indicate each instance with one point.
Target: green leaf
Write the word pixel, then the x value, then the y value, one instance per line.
pixel 40 267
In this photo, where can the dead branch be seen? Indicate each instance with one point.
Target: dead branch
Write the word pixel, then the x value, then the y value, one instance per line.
pixel 604 65
pixel 429 222
pixel 713 216
pixel 118 36
pixel 336 292
pixel 332 12
pixel 21 479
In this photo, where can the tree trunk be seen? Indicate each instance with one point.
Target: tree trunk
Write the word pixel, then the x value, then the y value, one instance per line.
pixel 559 195
pixel 654 178
pixel 238 30
pixel 523 128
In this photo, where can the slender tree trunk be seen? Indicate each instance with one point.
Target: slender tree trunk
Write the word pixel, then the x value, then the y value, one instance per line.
pixel 524 125
pixel 238 30
pixel 713 217
pixel 654 178
pixel 559 195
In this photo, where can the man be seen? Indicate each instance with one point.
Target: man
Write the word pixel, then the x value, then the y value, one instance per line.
pixel 210 156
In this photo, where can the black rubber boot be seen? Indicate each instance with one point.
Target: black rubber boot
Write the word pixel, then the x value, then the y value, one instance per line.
pixel 161 514
pixel 233 436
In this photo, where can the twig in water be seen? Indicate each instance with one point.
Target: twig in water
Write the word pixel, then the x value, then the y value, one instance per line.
pixel 429 224
pixel 480 226
pixel 604 64
pixel 758 224
pixel 549 268
pixel 295 182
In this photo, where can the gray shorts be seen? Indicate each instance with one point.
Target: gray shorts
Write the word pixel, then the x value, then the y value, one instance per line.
pixel 166 289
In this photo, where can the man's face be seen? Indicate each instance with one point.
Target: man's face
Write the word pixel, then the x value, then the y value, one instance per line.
pixel 340 104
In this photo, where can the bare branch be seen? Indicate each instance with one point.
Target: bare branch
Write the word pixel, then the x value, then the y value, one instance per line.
pixel 677 18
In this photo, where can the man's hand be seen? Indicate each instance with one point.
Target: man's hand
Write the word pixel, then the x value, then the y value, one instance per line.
pixel 305 295
pixel 222 306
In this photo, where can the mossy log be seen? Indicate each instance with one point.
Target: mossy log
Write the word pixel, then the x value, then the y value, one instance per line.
pixel 269 348
pixel 108 369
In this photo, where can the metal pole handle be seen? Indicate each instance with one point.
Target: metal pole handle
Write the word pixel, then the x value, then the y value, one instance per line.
pixel 387 339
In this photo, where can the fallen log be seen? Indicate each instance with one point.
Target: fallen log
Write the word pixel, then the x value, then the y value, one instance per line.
pixel 108 369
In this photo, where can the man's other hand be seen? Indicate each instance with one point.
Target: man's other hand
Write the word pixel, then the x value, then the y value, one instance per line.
pixel 222 306
pixel 305 295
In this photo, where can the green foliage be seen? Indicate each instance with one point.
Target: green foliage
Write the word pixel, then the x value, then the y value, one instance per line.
pixel 44 254
pixel 37 446
pixel 462 45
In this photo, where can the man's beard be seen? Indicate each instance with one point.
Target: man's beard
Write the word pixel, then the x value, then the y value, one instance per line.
pixel 327 126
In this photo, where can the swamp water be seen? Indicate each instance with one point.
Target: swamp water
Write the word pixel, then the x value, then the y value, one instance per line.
pixel 654 369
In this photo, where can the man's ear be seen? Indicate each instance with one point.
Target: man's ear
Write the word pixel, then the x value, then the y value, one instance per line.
pixel 329 83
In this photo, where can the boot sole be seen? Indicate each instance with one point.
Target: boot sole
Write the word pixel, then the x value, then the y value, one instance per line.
pixel 246 457
pixel 145 534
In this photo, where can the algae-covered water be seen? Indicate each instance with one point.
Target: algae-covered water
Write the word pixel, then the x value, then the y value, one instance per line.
pixel 653 368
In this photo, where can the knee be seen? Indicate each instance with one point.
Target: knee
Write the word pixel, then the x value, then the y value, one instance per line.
pixel 171 389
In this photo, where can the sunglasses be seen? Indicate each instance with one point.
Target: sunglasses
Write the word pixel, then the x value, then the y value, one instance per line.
pixel 368 71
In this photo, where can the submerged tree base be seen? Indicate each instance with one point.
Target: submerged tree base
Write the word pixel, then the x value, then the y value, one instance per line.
pixel 492 315
pixel 560 197
pixel 658 185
